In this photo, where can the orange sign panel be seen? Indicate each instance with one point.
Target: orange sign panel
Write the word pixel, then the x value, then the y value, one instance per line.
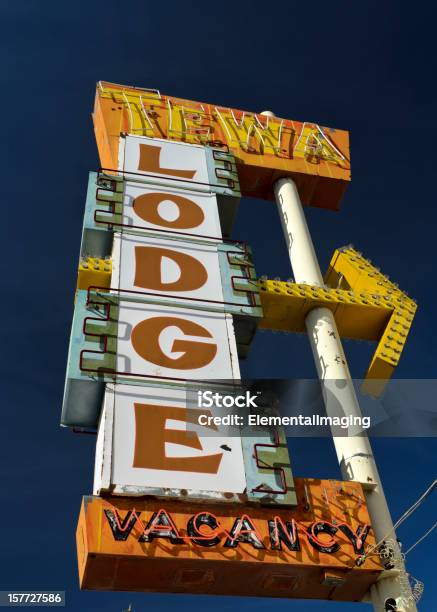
pixel 265 148
pixel 310 551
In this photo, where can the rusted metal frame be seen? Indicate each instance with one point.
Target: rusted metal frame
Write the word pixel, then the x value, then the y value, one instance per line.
pixel 165 177
pixel 247 267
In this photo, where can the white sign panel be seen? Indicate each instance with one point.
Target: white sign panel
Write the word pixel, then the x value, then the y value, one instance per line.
pixel 167 267
pixel 180 343
pixel 150 442
pixel 166 161
pixel 170 209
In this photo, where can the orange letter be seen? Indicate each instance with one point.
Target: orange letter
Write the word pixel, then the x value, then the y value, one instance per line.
pixel 148 270
pixel 190 214
pixel 151 437
pixel 149 162
pixel 145 340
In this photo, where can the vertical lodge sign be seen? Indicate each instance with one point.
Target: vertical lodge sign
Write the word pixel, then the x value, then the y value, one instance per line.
pixel 166 305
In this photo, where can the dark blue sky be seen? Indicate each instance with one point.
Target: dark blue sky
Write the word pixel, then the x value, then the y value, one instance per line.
pixel 368 67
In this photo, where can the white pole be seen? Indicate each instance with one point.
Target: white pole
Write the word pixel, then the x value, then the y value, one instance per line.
pixel 354 453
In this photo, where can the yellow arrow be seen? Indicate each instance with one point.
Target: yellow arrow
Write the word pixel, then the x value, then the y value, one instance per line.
pixel 365 303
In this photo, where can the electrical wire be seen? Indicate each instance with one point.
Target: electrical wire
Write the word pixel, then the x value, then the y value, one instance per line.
pixel 404 517
pixel 421 539
pixel 414 507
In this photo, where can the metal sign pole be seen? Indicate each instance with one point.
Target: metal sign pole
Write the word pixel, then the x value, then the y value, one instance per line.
pixel 354 453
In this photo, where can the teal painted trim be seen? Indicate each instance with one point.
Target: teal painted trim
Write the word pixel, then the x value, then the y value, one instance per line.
pixel 83 391
pixel 96 238
pixel 238 276
pixel 90 202
pixel 222 172
pixel 236 261
pixel 78 341
pixel 265 478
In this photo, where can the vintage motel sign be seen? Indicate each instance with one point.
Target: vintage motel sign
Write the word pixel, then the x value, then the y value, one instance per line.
pixel 169 306
pixel 166 304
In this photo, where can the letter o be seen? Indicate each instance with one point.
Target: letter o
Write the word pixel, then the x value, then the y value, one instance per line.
pixel 190 216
